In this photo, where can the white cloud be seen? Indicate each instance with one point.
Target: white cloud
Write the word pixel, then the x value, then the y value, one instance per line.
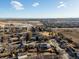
pixel 62 4
pixel 17 5
pixel 35 4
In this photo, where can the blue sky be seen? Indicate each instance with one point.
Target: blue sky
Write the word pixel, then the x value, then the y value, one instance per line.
pixel 39 8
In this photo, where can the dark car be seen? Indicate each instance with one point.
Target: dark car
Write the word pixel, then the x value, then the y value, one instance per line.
pixel 43 47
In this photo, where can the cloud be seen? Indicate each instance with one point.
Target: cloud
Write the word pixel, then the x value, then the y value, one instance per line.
pixel 62 4
pixel 17 5
pixel 35 4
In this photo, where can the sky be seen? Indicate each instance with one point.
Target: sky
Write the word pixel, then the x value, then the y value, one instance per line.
pixel 39 8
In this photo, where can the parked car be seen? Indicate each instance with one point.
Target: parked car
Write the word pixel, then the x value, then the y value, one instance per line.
pixel 44 47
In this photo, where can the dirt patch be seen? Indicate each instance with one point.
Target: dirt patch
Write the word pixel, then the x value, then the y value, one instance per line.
pixel 70 33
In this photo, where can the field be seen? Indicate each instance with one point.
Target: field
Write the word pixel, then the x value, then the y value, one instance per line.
pixel 72 33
